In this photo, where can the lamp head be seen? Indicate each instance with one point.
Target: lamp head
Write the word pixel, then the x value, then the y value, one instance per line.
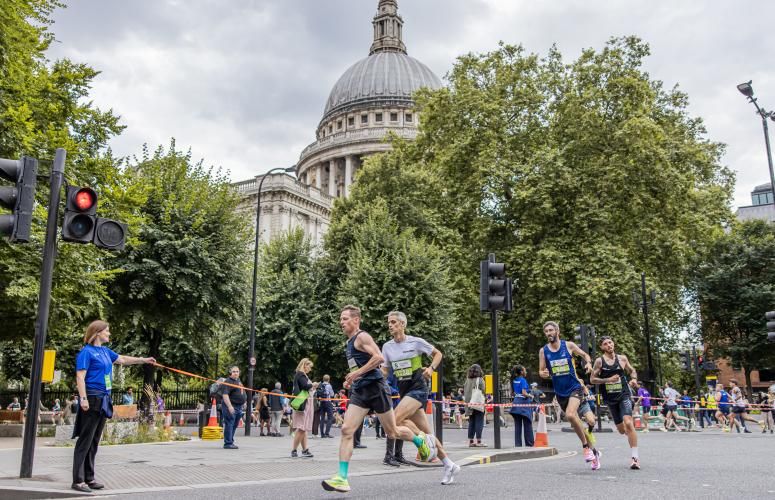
pixel 746 88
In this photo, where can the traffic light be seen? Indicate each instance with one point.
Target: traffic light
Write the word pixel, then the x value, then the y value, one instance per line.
pixel 80 215
pixel 582 337
pixel 81 224
pixel 700 362
pixel 20 198
pixel 685 359
pixel 770 316
pixel 494 287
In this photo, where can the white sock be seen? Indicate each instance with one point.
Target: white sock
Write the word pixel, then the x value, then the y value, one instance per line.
pixel 634 452
pixel 447 462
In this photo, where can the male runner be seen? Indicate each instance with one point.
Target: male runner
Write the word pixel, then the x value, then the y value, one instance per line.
pixel 557 355
pixel 722 415
pixel 609 371
pixel 368 391
pixel 403 357
pixel 739 407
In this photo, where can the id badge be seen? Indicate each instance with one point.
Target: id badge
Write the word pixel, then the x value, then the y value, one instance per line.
pixel 108 382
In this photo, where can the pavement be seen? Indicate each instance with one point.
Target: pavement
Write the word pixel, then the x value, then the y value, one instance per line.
pixel 166 467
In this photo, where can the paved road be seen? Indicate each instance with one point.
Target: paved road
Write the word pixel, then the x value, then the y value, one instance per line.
pixel 687 465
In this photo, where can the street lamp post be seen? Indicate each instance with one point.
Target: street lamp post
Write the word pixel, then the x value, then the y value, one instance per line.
pixel 747 90
pixel 643 302
pixel 252 351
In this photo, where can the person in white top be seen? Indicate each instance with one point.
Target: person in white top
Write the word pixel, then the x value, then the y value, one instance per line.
pixel 670 408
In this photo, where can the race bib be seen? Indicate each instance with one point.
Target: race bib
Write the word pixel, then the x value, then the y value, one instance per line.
pixel 615 387
pixel 108 382
pixel 404 368
pixel 560 367
pixel 351 363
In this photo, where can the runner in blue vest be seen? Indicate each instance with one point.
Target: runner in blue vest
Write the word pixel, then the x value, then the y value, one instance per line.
pixel 555 361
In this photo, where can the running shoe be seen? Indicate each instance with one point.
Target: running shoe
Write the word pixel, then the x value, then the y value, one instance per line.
pixel 449 474
pixel 596 461
pixel 424 450
pixel 635 464
pixel 591 439
pixel 725 429
pixel 588 454
pixel 337 483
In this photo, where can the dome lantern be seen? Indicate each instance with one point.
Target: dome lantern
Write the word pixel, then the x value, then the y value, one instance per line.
pixel 388 29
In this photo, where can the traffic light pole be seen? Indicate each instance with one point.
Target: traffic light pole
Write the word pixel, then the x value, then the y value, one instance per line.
pixel 496 411
pixel 41 323
pixel 696 364
pixel 647 332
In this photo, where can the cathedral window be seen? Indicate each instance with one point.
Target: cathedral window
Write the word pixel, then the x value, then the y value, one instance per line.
pixel 408 118
pixel 339 125
pixel 378 117
pixel 364 119
pixel 393 117
pixel 351 122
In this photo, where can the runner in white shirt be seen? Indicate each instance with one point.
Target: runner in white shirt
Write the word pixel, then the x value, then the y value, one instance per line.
pixel 670 409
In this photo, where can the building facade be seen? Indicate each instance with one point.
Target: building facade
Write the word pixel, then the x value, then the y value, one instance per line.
pixel 761 206
pixel 370 101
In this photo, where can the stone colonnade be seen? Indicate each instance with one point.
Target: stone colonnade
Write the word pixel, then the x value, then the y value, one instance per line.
pixel 333 177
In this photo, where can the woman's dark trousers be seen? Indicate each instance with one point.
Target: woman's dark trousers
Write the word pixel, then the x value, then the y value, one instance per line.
pixel 92 424
pixel 522 422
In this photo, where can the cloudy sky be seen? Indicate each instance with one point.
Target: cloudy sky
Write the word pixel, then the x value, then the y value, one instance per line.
pixel 243 83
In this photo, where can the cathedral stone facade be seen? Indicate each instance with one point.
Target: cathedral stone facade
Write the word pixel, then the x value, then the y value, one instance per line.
pixel 372 99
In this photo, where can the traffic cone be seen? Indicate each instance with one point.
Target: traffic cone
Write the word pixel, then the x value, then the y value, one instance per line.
pixel 638 422
pixel 541 437
pixel 168 420
pixel 213 421
pixel 182 420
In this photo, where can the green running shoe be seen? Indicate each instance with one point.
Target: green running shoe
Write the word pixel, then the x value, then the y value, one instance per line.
pixel 337 483
pixel 424 450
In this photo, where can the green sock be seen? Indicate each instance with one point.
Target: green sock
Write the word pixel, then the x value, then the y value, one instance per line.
pixel 418 441
pixel 343 467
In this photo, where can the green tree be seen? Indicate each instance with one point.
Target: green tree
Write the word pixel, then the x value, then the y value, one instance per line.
pixel 579 176
pixel 735 287
pixel 292 321
pixel 184 277
pixel 44 106
pixel 390 269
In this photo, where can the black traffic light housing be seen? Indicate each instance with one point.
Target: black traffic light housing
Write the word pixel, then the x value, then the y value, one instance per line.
pixel 770 316
pixel 494 287
pixel 81 224
pixel 585 338
pixel 685 360
pixel 80 215
pixel 20 198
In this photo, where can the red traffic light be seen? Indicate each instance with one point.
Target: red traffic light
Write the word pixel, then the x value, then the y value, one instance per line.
pixel 84 199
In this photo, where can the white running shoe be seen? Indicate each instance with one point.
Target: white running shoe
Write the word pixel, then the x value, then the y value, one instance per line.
pixel 449 474
pixel 430 440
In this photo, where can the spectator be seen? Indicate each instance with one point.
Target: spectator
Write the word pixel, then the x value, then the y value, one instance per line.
pixel 521 410
pixel 128 398
pixel 341 407
pixel 536 395
pixel 264 415
pixel 94 379
pixel 69 411
pixel 276 410
pixel 303 416
pixel 325 393
pixel 231 409
pixel 459 407
pixel 474 388
pixel 15 406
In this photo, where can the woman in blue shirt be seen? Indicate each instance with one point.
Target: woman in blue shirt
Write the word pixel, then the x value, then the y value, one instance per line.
pixel 94 379
pixel 522 409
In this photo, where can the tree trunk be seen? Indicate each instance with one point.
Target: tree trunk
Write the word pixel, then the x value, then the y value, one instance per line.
pixel 153 336
pixel 748 387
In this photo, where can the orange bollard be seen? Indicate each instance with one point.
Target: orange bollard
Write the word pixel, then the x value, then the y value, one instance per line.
pixel 182 420
pixel 429 408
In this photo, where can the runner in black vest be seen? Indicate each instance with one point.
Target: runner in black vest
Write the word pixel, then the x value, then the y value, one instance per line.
pixel 609 371
pixel 368 391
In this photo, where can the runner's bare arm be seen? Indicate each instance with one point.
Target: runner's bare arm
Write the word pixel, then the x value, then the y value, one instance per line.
pixel 366 343
pixel 594 377
pixel 435 362
pixel 542 370
pixel 627 367
pixel 574 349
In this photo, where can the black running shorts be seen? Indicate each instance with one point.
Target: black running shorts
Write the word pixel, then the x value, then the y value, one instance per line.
pixel 374 396
pixel 578 394
pixel 620 409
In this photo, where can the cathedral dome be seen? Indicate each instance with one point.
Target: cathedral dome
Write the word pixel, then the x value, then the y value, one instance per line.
pixel 382 79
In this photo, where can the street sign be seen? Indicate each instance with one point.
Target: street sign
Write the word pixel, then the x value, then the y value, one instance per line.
pixel 252 361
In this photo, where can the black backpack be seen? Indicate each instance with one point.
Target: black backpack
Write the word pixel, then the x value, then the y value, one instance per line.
pixel 216 390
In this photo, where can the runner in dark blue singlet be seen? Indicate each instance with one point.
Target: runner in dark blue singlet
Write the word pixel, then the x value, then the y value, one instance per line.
pixel 555 361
